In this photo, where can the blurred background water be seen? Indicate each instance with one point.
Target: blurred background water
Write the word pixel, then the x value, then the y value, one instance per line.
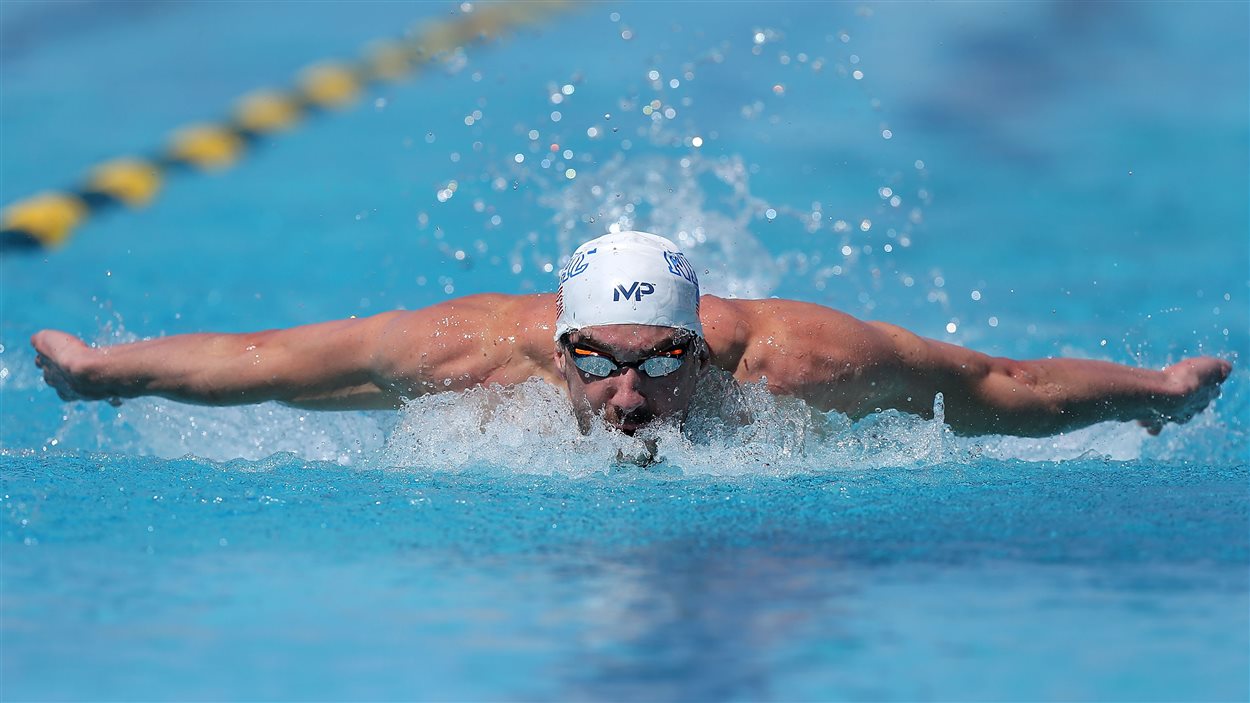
pixel 1029 179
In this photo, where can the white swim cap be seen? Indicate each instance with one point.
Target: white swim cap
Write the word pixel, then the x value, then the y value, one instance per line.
pixel 628 278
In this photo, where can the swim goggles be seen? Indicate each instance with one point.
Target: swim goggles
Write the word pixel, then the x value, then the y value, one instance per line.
pixel 601 365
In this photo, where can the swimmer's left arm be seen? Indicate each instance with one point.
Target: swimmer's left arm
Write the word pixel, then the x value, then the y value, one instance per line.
pixel 835 361
pixel 1041 397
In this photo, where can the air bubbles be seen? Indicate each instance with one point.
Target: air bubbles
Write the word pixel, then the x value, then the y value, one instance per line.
pixel 919 165
pixel 444 194
pixel 570 174
pixel 556 116
pixel 653 75
pixel 696 142
pixel 887 134
pixel 519 158
pixel 593 132
pixel 865 225
pixel 976 295
pixel 993 321
pixel 779 89
pixel 857 75
pixel 951 327
pixel 533 135
pixel 885 192
pixel 770 214
pixel 568 89
pixel 846 250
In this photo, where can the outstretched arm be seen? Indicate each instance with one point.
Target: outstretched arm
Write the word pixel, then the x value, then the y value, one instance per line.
pixel 1041 397
pixel 371 362
pixel 835 361
pixel 322 361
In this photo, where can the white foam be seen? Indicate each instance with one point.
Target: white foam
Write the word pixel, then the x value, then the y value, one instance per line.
pixel 167 429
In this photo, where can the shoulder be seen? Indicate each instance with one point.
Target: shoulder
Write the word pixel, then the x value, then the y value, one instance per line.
pixel 790 342
pixel 493 332
pixel 735 323
pixel 486 312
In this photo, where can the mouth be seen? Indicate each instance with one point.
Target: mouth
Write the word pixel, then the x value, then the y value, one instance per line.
pixel 633 422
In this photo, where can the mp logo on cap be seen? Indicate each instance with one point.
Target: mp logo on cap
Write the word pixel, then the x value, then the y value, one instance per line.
pixel 635 291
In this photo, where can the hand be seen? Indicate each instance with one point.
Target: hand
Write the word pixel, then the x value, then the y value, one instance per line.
pixel 1191 386
pixel 63 358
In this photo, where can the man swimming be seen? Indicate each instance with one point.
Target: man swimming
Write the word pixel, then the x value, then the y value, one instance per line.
pixel 628 336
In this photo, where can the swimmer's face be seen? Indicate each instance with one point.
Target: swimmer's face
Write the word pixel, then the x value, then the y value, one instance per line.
pixel 628 397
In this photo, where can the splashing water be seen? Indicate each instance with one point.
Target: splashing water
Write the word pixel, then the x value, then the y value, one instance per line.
pixel 671 196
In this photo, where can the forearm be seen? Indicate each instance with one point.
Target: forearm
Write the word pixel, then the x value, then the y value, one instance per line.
pixel 1048 396
pixel 206 369
pixel 299 365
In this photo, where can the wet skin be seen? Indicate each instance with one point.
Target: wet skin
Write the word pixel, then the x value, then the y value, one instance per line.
pixel 824 357
pixel 628 398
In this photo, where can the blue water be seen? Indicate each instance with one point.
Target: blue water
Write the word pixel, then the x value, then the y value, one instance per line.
pixel 1071 180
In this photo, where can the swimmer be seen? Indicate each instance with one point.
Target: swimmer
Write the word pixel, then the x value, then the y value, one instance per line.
pixel 628 335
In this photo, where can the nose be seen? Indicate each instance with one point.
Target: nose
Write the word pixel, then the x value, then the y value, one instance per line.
pixel 627 391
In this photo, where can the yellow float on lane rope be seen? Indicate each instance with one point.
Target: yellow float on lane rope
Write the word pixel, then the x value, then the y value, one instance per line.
pixel 329 85
pixel 132 181
pixel 47 217
pixel 266 111
pixel 209 147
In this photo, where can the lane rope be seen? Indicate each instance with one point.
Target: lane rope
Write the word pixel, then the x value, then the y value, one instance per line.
pixel 47 220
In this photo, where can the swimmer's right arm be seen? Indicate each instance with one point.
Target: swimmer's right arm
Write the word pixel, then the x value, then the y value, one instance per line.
pixel 358 363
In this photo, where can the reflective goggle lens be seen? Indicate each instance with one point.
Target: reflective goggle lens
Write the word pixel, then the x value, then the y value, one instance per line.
pixel 602 365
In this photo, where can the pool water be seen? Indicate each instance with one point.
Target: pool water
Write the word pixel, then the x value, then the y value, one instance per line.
pixel 1029 179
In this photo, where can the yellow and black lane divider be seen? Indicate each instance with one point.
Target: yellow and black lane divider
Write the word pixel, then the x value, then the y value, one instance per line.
pixel 47 220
